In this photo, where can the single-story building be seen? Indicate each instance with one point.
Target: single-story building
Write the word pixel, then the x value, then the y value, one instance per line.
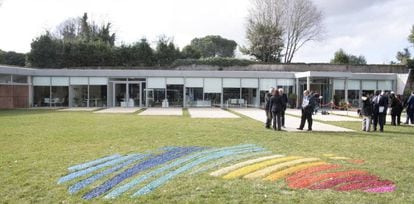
pixel 192 86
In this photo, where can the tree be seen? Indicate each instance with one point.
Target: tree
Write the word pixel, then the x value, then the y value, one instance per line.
pixel 12 58
pixel 411 36
pixel 45 52
pixel 166 52
pixel 341 57
pixel 265 42
pixel 214 46
pixel 299 21
pixel 190 52
pixel 403 56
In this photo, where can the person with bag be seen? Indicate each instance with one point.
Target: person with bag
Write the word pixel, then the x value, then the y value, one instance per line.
pixel 380 104
pixel 308 105
pixel 267 108
pixel 366 113
pixel 276 106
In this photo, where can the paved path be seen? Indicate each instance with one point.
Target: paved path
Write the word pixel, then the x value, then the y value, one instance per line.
pixel 81 109
pixel 321 117
pixel 291 122
pixel 210 113
pixel 118 110
pixel 162 112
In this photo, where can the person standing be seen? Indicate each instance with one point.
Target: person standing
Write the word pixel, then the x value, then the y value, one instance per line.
pixel 396 109
pixel 276 106
pixel 284 101
pixel 267 108
pixel 380 104
pixel 308 104
pixel 366 113
pixel 410 109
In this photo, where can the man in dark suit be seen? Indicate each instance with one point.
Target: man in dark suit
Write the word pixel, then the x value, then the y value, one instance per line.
pixel 410 109
pixel 308 105
pixel 267 108
pixel 380 104
pixel 276 106
pixel 284 101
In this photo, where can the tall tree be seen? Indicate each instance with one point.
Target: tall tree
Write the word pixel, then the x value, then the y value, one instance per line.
pixel 300 21
pixel 411 36
pixel 214 46
pixel 341 57
pixel 166 52
pixel 403 56
pixel 265 42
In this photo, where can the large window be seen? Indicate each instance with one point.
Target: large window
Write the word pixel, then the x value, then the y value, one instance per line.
pixel 41 96
pixel 79 96
pixel 59 96
pixel 194 96
pixel 249 96
pixel 5 79
pixel 214 98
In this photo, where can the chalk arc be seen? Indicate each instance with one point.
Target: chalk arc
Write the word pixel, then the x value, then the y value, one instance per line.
pixel 283 173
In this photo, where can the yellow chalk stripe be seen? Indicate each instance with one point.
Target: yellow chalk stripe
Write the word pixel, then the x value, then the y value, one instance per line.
pixel 339 158
pixel 270 169
pixel 257 166
pixel 281 174
pixel 228 169
pixel 328 155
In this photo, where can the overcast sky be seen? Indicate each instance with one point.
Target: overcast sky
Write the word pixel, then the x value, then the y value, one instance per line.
pixel 376 29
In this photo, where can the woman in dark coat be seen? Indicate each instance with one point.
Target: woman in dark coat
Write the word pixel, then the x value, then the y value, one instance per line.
pixel 396 109
pixel 366 113
pixel 276 106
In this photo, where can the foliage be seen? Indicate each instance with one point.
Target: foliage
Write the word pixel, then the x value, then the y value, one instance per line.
pixel 214 46
pixel 411 36
pixel 341 57
pixel 214 61
pixel 166 52
pixel 12 58
pixel 403 56
pixel 265 42
pixel 189 52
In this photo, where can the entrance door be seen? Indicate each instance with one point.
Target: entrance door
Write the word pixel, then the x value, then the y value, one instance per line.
pixel 120 95
pixel 134 95
pixel 175 95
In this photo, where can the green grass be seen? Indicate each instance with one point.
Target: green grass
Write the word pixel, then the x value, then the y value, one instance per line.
pixel 38 145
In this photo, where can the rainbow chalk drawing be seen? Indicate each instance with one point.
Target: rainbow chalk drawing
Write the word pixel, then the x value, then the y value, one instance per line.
pixel 147 171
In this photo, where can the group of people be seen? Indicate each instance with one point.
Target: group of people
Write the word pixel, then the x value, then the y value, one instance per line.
pixel 374 110
pixel 276 103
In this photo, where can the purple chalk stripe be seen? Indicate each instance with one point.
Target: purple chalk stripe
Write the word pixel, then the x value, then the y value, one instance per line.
pixel 147 164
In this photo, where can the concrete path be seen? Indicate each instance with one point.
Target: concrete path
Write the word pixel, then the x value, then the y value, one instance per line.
pixel 321 117
pixel 354 114
pixel 118 110
pixel 79 109
pixel 210 113
pixel 162 112
pixel 291 122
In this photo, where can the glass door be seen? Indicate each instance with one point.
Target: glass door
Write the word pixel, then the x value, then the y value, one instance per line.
pixel 134 93
pixel 120 95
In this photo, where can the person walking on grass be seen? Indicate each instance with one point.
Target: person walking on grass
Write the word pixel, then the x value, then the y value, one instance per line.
pixel 410 109
pixel 380 104
pixel 308 105
pixel 366 113
pixel 267 108
pixel 396 109
pixel 276 106
pixel 285 101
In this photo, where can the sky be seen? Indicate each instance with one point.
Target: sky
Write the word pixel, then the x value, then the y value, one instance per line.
pixel 376 29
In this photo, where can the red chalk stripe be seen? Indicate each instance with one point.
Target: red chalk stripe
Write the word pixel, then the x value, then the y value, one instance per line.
pixel 310 171
pixel 364 185
pixel 311 180
pixel 337 181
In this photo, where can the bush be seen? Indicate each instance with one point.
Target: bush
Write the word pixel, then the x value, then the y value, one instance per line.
pixel 214 61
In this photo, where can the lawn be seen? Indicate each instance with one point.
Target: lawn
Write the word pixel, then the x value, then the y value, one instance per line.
pixel 37 146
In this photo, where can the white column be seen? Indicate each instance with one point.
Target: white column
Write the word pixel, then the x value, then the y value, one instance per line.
pixel 346 89
pixel 297 92
pixel 308 83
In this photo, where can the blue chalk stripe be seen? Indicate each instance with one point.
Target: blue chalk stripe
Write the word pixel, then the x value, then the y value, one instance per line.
pixel 83 172
pixel 93 163
pixel 82 184
pixel 227 160
pixel 160 181
pixel 118 191
pixel 152 162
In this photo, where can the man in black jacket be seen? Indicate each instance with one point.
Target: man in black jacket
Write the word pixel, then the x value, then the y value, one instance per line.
pixel 284 101
pixel 308 105
pixel 276 106
pixel 267 108
pixel 366 113
pixel 380 104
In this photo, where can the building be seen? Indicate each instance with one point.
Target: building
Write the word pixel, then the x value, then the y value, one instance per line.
pixel 195 85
